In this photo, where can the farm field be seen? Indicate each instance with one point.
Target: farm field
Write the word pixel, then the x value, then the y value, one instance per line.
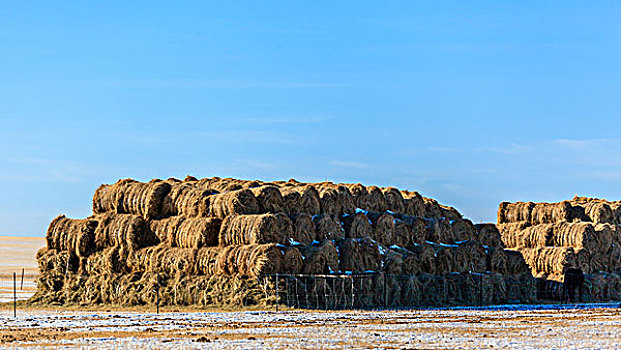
pixel 17 253
pixel 491 328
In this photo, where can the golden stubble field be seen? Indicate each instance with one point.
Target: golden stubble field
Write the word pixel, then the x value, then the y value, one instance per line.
pixel 17 253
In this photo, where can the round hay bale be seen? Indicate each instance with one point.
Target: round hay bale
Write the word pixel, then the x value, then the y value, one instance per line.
pixel 207 260
pixel 515 212
pixel 357 225
pixel 197 232
pixel 411 292
pixel 320 259
pixel 550 260
pixel 613 258
pixel 450 213
pixel 360 196
pixel 132 197
pixel 238 202
pixel 432 208
pixel 108 261
pixel 75 236
pixel 577 235
pixel 538 236
pixel 444 260
pixel 439 230
pixel 303 229
pixel 516 264
pixel 392 261
pixel 463 230
pixel 269 198
pixel 511 233
pixel 599 212
pixel 394 200
pixel 469 256
pixel 383 227
pixel 376 199
pixel 130 231
pixel 422 260
pixel 329 199
pixel 413 204
pixel 489 235
pixel 550 213
pixel 251 260
pixel 188 200
pixel 252 229
pixel 292 261
pixel 328 227
pixel 359 255
pixel 308 201
pixel 402 234
pixel 497 260
pixel 166 260
pixel 166 229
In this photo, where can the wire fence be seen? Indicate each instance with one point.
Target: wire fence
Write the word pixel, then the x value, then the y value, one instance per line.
pixel 379 290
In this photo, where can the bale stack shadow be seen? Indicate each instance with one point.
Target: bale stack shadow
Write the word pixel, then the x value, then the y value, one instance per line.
pixel 214 241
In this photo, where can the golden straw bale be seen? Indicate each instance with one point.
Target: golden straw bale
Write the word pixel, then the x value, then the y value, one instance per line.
pixel 196 233
pixel 413 204
pixel 269 198
pixel 166 229
pixel 329 199
pixel 285 227
pixel 439 230
pixel 550 260
pixel 328 227
pixel 357 225
pixel 376 199
pixel 130 231
pixel 108 261
pixel 489 235
pixel 421 260
pixel 463 230
pixel 392 261
pixel 188 200
pixel 383 227
pixel 576 235
pixel 516 264
pixel 301 199
pixel 497 260
pixel 320 259
pixel 292 261
pixel 511 233
pixel 599 212
pixel 359 255
pixel 469 256
pixel 360 196
pixel 450 213
pixel 132 197
pixel 538 236
pixel 164 259
pixel 549 213
pixel 303 229
pixel 394 200
pixel 238 202
pixel 74 236
pixel 252 229
pixel 515 212
pixel 250 260
pixel 432 208
pixel 207 260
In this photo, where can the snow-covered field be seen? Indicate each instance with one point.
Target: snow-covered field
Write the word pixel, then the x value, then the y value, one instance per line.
pixel 588 327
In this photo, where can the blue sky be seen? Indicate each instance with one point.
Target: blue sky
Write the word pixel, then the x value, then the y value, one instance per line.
pixel 471 103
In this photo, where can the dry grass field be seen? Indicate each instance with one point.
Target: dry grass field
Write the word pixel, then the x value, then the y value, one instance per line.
pixel 17 253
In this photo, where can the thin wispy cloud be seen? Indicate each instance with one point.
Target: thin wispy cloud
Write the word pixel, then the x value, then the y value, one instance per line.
pixel 291 120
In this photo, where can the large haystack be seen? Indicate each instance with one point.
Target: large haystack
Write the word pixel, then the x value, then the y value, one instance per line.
pixel 221 241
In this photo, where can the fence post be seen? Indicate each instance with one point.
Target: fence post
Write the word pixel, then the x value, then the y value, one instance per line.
pixel 385 292
pixel 353 295
pixel 277 294
pixel 14 295
pixel 22 285
pixel 157 292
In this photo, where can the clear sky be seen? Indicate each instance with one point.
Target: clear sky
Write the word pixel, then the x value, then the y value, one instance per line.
pixel 468 102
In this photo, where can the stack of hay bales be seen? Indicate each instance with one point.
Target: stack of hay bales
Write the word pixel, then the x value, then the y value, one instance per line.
pixel 212 240
pixel 583 233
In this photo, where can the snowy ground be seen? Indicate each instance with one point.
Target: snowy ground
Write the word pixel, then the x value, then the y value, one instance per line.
pixel 588 327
